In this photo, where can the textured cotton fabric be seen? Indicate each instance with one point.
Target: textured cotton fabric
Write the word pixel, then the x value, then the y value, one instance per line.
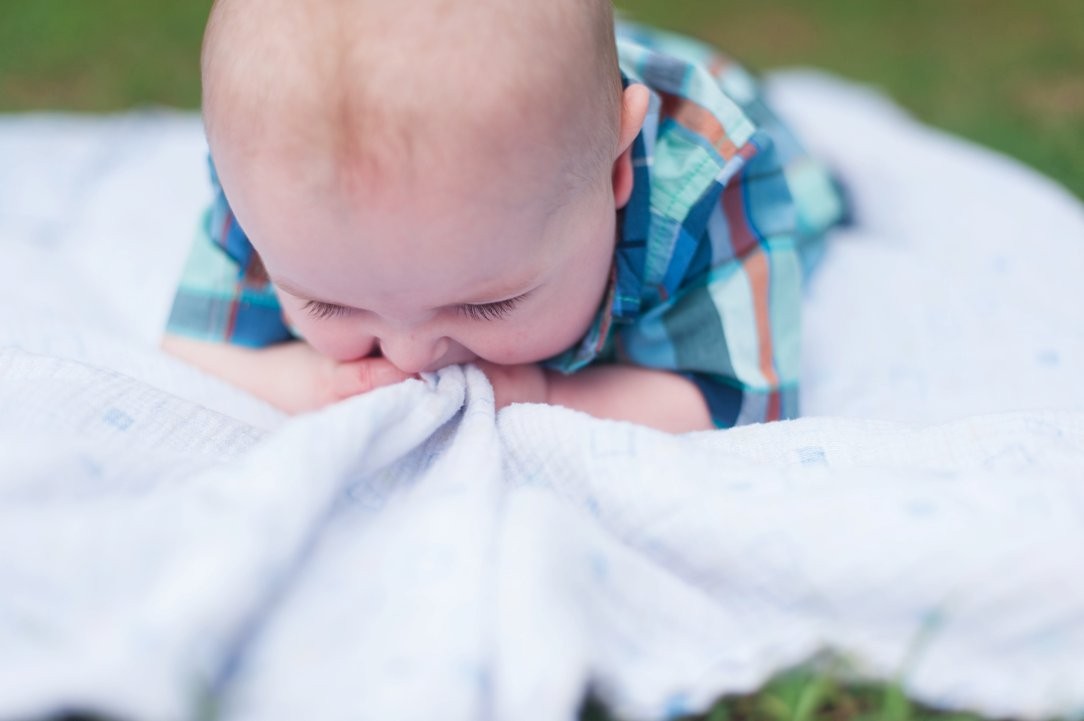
pixel 726 216
pixel 161 558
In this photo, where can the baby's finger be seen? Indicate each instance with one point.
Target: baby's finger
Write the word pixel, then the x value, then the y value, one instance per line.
pixel 364 375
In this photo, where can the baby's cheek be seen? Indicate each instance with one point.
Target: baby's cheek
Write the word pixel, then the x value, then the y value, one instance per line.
pixel 530 340
pixel 337 340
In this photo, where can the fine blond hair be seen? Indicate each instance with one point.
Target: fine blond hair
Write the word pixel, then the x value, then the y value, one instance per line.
pixel 377 79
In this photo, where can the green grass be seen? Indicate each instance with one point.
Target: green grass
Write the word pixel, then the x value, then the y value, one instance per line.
pixel 101 55
pixel 806 696
pixel 1006 73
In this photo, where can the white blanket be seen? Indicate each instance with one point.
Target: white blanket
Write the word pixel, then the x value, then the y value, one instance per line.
pixel 170 546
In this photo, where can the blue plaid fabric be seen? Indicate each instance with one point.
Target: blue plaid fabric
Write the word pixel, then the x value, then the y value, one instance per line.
pixel 727 216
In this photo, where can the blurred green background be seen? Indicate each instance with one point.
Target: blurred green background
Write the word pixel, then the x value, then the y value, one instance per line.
pixel 1007 73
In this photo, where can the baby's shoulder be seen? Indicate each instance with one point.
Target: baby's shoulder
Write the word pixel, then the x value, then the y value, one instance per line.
pixel 702 89
pixel 644 51
pixel 665 42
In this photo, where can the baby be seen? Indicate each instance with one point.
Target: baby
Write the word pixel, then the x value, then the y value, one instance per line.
pixel 614 225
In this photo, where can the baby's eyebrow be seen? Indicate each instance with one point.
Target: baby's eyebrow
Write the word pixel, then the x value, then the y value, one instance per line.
pixel 504 292
pixel 497 299
pixel 292 289
pixel 305 295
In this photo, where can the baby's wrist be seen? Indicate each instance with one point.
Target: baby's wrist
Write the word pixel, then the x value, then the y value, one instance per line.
pixel 526 383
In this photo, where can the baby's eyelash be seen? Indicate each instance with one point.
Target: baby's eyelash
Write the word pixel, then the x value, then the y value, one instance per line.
pixel 320 310
pixel 481 311
pixel 490 311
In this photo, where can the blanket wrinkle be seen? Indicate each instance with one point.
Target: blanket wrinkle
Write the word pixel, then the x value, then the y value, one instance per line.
pixel 459 469
pixel 374 450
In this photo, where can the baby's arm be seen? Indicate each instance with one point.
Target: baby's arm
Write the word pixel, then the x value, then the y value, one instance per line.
pixel 655 398
pixel 291 376
pixel 295 378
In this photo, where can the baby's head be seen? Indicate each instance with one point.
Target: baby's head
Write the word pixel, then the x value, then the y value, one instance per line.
pixel 436 180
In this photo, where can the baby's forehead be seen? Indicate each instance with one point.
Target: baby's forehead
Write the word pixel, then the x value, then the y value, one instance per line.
pixel 410 51
pixel 377 75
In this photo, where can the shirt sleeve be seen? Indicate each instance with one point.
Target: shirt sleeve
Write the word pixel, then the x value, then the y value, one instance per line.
pixel 224 294
pixel 733 326
pixel 724 309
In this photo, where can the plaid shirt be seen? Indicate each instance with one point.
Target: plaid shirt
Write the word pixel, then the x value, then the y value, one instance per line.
pixel 727 216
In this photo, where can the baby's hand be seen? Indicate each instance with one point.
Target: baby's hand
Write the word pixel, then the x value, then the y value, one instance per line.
pixel 291 376
pixel 351 378
pixel 527 383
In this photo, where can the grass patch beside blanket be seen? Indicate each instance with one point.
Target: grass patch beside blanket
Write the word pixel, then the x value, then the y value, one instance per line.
pixel 1006 73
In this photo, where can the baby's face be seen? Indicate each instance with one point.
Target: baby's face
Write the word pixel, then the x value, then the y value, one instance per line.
pixel 432 181
pixel 506 261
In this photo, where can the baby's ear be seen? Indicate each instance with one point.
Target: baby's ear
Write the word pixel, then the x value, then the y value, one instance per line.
pixel 633 110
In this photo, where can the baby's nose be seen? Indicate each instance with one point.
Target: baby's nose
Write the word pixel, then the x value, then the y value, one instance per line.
pixel 413 354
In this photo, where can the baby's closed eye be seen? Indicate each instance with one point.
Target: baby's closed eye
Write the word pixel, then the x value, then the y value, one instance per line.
pixel 322 311
pixel 497 310
pixel 489 311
